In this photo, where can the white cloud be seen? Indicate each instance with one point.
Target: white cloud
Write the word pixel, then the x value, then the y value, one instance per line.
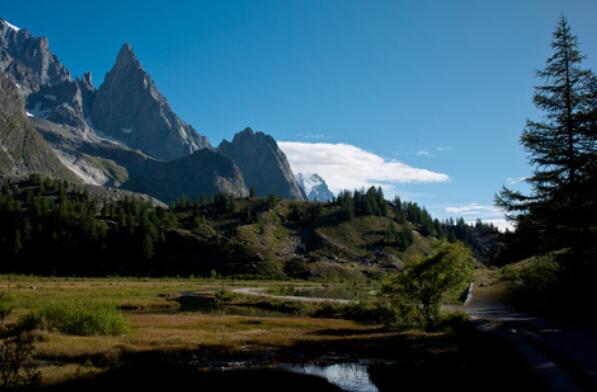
pixel 487 213
pixel 444 148
pixel 474 209
pixel 501 224
pixel 344 166
pixel 424 153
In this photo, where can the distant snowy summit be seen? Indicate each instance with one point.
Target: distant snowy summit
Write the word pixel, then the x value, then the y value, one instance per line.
pixel 314 187
pixel 5 23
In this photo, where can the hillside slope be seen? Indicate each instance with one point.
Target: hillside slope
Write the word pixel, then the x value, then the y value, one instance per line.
pixel 225 235
pixel 22 150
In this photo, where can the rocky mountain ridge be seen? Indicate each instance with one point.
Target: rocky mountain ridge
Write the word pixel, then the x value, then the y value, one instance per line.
pixel 148 123
pixel 263 164
pixel 27 61
pixel 125 134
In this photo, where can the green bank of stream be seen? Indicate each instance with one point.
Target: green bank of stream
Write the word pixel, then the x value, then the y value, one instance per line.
pixel 359 370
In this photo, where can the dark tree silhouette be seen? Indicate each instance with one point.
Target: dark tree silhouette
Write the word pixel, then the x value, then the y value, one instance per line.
pixel 560 210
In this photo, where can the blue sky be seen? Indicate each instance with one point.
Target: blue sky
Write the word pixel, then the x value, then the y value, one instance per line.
pixel 444 86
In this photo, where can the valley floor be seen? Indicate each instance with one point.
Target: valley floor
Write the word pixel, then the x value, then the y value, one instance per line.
pixel 172 340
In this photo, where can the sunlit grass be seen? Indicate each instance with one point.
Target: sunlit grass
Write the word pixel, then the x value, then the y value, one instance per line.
pixel 155 323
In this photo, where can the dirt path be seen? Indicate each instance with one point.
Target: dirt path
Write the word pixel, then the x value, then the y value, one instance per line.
pixel 563 355
pixel 261 292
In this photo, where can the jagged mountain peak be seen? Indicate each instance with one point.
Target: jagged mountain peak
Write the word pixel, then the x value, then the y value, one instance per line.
pixel 126 57
pixel 249 133
pixel 263 164
pixel 27 60
pixel 86 81
pixel 129 107
pixel 314 187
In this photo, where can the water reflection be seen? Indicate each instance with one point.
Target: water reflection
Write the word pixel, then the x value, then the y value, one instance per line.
pixel 352 377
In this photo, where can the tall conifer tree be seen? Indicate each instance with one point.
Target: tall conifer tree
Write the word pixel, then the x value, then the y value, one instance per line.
pixel 561 147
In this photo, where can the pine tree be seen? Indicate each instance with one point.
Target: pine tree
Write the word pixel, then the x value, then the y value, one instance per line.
pixel 317 212
pixel 147 246
pixel 5 189
pixel 18 244
pixel 247 215
pixel 271 201
pixel 392 236
pixel 562 147
pixel 405 238
pixel 347 209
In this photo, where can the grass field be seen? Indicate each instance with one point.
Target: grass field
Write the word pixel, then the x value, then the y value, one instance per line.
pixel 156 322
pixel 160 329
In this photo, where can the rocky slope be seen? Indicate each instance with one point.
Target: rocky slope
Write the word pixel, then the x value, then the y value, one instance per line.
pixel 129 107
pixel 205 172
pixel 264 166
pixel 22 150
pixel 102 161
pixel 125 134
pixel 68 102
pixel 27 60
pixel 314 187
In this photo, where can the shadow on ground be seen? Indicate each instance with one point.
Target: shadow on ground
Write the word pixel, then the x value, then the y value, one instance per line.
pixel 465 361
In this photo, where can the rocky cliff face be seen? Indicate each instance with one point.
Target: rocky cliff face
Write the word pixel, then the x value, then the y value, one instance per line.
pixel 263 165
pixel 129 107
pixel 205 172
pixel 22 150
pixel 27 60
pixel 314 187
pixel 68 102
pixel 125 134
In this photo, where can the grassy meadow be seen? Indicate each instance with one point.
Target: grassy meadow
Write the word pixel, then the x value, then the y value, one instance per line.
pixel 235 331
pixel 156 321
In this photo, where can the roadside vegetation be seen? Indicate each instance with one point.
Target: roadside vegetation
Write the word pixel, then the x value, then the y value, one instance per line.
pixel 556 222
pixel 419 293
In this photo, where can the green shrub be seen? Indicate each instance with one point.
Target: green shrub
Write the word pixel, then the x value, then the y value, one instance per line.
pixel 16 353
pixel 535 283
pixel 224 295
pixel 425 286
pixel 77 318
pixel 371 312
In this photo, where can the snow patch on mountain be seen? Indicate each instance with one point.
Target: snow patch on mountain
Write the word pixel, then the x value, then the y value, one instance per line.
pixel 10 25
pixel 314 187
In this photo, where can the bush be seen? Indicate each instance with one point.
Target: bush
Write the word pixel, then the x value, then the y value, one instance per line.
pixel 536 283
pixel 76 318
pixel 425 286
pixel 16 353
pixel 371 312
pixel 224 295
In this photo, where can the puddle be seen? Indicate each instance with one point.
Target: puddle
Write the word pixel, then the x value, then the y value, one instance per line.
pixel 351 377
